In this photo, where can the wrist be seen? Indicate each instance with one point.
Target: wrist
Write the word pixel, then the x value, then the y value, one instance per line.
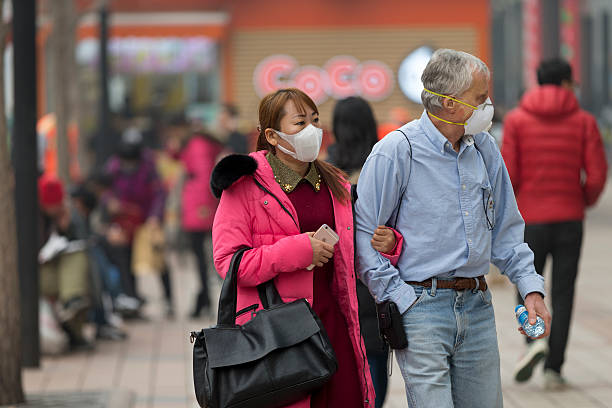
pixel 535 293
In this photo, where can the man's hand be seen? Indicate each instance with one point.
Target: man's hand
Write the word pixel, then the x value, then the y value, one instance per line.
pixel 534 303
pixel 383 239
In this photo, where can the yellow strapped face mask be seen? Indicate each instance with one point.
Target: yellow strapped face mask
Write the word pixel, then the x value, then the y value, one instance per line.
pixel 479 121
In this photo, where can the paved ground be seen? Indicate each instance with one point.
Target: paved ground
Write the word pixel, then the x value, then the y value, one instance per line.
pixel 155 363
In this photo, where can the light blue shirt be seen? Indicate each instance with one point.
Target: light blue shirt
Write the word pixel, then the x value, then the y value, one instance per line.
pixel 455 216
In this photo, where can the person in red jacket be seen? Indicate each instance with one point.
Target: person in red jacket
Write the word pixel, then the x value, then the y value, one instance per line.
pixel 557 164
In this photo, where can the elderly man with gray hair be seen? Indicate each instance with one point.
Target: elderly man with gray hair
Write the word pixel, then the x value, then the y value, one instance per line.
pixel 441 181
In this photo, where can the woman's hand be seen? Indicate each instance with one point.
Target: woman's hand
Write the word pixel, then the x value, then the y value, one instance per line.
pixel 321 252
pixel 383 240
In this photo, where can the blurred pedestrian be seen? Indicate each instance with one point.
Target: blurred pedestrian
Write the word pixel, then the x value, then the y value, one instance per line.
pixel 273 201
pixel 172 173
pixel 84 203
pixel 354 129
pixel 137 198
pixel 441 179
pixel 104 230
pixel 199 205
pixel 557 164
pixel 235 140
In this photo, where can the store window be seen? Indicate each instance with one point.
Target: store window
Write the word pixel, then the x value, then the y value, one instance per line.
pixel 153 76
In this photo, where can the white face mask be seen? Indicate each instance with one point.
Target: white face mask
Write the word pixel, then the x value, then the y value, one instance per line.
pixel 480 120
pixel 306 143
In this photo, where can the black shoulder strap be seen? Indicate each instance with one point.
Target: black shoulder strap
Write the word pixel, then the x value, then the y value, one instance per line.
pixel 354 195
pixel 399 203
pixel 408 140
pixel 485 163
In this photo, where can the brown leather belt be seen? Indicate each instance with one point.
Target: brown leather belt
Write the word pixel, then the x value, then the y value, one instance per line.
pixel 458 284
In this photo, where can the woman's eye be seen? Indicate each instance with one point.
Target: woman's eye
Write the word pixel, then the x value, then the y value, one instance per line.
pixel 302 123
pixel 316 120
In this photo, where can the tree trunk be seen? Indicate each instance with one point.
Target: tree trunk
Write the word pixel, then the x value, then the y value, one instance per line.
pixel 11 391
pixel 63 45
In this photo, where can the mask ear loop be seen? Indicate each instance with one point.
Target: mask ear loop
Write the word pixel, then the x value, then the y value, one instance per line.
pixel 451 98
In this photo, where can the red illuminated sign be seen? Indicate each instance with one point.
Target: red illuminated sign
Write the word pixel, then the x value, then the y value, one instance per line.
pixel 342 76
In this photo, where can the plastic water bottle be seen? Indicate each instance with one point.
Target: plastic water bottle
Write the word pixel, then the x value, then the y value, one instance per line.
pixel 522 316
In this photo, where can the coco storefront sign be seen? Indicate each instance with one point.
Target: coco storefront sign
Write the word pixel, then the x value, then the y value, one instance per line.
pixel 340 77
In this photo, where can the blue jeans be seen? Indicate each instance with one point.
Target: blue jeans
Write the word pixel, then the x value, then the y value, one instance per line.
pixel 452 358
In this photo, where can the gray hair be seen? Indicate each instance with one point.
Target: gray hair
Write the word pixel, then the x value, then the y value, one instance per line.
pixel 449 72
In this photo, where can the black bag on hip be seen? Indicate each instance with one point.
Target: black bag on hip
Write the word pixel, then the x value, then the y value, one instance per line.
pixel 280 356
pixel 390 325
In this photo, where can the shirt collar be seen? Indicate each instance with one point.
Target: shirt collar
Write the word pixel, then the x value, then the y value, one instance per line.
pixel 289 179
pixel 436 137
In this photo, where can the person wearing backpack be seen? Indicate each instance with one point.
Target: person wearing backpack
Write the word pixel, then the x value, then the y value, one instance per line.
pixel 442 181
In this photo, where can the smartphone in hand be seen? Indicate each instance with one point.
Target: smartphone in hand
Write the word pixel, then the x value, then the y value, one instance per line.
pixel 327 235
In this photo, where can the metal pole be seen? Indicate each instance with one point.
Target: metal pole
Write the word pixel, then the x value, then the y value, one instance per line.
pixel 25 161
pixel 103 126
pixel 498 53
pixel 606 58
pixel 550 12
pixel 586 85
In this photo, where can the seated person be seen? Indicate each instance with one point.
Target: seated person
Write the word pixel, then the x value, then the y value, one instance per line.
pixel 64 264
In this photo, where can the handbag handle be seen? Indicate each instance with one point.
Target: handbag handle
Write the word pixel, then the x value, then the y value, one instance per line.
pixel 229 292
pixel 268 294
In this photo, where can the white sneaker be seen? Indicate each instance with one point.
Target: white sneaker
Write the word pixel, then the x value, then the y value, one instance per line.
pixel 524 368
pixel 553 381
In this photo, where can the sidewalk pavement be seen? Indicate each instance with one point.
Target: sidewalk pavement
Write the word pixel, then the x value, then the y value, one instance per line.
pixel 155 363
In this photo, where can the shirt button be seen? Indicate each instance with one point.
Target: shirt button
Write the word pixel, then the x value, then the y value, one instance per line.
pixel 463 187
pixel 348 228
pixel 266 202
pixel 469 241
pixel 466 213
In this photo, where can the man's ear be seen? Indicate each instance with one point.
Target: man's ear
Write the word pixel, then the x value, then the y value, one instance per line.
pixel 449 105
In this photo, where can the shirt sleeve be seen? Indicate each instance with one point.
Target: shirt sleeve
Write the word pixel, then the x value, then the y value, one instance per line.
pixel 379 193
pixel 509 252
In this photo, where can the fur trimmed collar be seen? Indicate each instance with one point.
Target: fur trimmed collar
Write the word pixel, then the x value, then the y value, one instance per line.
pixel 229 170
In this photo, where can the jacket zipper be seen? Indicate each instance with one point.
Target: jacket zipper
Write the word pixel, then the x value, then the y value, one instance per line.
pixel 276 198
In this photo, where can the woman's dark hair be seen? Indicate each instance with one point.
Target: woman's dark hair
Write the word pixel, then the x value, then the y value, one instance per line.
pixel 271 111
pixel 554 71
pixel 354 129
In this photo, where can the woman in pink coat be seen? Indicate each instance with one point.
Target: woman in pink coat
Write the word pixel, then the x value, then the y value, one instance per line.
pixel 272 201
pixel 199 205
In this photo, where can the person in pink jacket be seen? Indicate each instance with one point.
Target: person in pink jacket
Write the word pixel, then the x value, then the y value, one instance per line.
pixel 199 205
pixel 272 201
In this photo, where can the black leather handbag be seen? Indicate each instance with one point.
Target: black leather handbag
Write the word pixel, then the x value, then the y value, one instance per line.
pixel 280 356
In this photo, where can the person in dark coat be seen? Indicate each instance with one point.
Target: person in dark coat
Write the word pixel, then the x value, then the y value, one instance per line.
pixel 355 132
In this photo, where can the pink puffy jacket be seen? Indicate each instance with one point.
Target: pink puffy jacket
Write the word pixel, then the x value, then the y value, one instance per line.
pixel 250 214
pixel 199 205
